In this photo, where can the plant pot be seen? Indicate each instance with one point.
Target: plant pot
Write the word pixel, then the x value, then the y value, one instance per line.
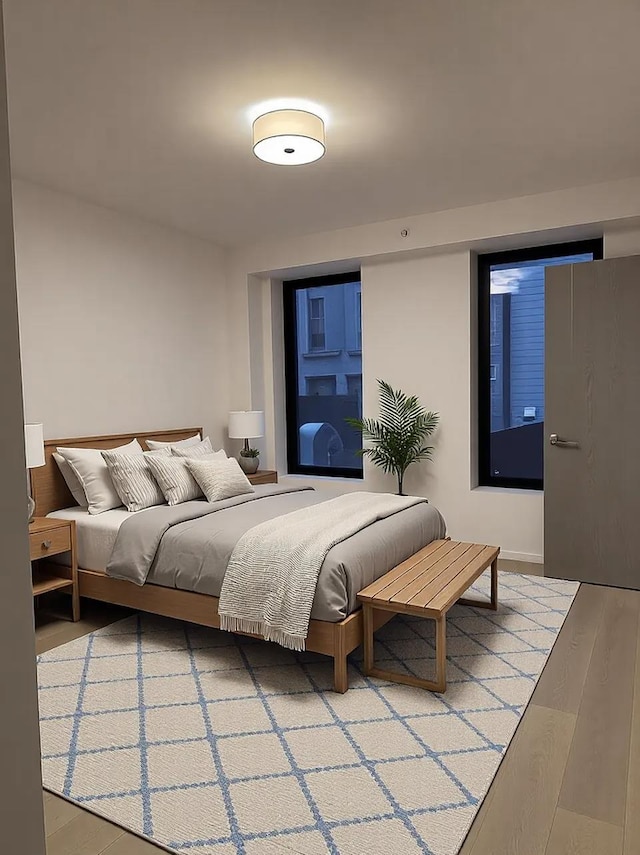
pixel 249 465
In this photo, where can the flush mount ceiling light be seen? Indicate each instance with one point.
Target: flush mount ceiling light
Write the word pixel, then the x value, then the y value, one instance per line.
pixel 288 137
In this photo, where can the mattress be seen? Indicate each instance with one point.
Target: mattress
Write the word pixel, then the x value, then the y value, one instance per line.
pixel 188 547
pixel 95 534
pixel 348 567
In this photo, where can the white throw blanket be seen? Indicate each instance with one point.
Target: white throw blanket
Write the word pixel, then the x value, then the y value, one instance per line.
pixel 270 582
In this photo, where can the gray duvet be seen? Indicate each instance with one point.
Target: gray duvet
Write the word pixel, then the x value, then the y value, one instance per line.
pixel 188 546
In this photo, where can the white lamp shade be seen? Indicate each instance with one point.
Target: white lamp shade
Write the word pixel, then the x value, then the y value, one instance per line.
pixel 246 424
pixel 34 446
pixel 288 137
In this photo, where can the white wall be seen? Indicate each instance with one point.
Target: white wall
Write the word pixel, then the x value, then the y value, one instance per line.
pixel 418 320
pixel 123 323
pixel 418 328
pixel 619 243
pixel 179 335
pixel 418 332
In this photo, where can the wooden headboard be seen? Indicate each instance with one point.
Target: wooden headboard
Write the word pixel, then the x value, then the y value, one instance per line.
pixel 48 487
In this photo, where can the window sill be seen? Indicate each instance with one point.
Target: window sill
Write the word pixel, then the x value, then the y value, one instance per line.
pixel 319 354
pixel 329 478
pixel 517 491
pixel 357 352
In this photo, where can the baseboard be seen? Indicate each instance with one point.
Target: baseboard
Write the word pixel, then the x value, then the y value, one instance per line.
pixel 530 557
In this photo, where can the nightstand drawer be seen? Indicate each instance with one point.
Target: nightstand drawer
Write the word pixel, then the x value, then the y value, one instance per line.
pixel 49 542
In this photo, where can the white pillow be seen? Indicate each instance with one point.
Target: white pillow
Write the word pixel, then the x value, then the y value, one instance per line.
pixel 213 455
pixel 199 450
pixel 220 479
pixel 154 444
pixel 175 479
pixel 133 478
pixel 72 480
pixel 91 470
pixel 74 485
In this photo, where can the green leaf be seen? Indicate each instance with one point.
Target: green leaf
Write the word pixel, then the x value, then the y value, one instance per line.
pixel 396 440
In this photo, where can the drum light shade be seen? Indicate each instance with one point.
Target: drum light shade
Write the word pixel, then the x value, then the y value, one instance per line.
pixel 246 424
pixel 34 446
pixel 288 137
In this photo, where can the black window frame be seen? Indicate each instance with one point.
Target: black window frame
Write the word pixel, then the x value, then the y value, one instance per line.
pixel 358 314
pixel 290 289
pixel 485 262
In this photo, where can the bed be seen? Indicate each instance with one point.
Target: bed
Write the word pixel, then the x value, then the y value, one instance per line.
pixel 336 626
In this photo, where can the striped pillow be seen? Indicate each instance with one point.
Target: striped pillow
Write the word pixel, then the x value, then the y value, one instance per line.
pixel 133 480
pixel 176 481
pixel 220 479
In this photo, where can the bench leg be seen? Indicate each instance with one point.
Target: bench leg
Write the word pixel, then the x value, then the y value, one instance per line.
pixel 484 604
pixel 367 615
pixel 441 654
pixel 494 585
pixel 437 685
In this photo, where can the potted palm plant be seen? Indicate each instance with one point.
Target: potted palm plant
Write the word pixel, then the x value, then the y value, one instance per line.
pixel 397 438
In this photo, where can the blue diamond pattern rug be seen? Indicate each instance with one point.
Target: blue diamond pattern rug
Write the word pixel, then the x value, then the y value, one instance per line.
pixel 214 744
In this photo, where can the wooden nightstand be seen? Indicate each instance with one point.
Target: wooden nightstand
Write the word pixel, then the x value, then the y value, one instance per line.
pixel 264 476
pixel 49 537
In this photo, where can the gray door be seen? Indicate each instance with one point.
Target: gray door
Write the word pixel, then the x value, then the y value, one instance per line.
pixel 592 422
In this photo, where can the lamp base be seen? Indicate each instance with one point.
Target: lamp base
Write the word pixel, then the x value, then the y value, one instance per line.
pixel 31 508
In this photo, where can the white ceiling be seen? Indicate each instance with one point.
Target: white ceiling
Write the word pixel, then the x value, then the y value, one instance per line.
pixel 143 105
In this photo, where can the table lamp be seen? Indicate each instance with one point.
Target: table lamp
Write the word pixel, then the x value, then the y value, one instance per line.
pixel 247 424
pixel 34 454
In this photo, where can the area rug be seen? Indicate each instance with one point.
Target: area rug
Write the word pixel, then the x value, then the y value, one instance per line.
pixel 213 744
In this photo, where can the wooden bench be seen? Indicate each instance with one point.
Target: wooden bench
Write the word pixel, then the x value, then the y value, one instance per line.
pixel 427 585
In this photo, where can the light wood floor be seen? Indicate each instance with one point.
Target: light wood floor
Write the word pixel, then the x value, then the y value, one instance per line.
pixel 569 783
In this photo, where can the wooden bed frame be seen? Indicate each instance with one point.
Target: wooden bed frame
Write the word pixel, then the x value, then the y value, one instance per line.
pixel 51 493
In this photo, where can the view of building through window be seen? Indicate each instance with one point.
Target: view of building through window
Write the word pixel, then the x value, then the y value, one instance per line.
pixel 323 341
pixel 512 361
pixel 315 312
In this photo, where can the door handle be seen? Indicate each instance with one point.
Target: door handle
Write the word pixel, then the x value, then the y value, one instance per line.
pixel 554 439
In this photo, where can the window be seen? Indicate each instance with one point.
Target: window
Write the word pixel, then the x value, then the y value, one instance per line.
pixel 321 385
pixel 511 360
pixel 358 320
pixel 354 385
pixel 323 375
pixel 317 339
